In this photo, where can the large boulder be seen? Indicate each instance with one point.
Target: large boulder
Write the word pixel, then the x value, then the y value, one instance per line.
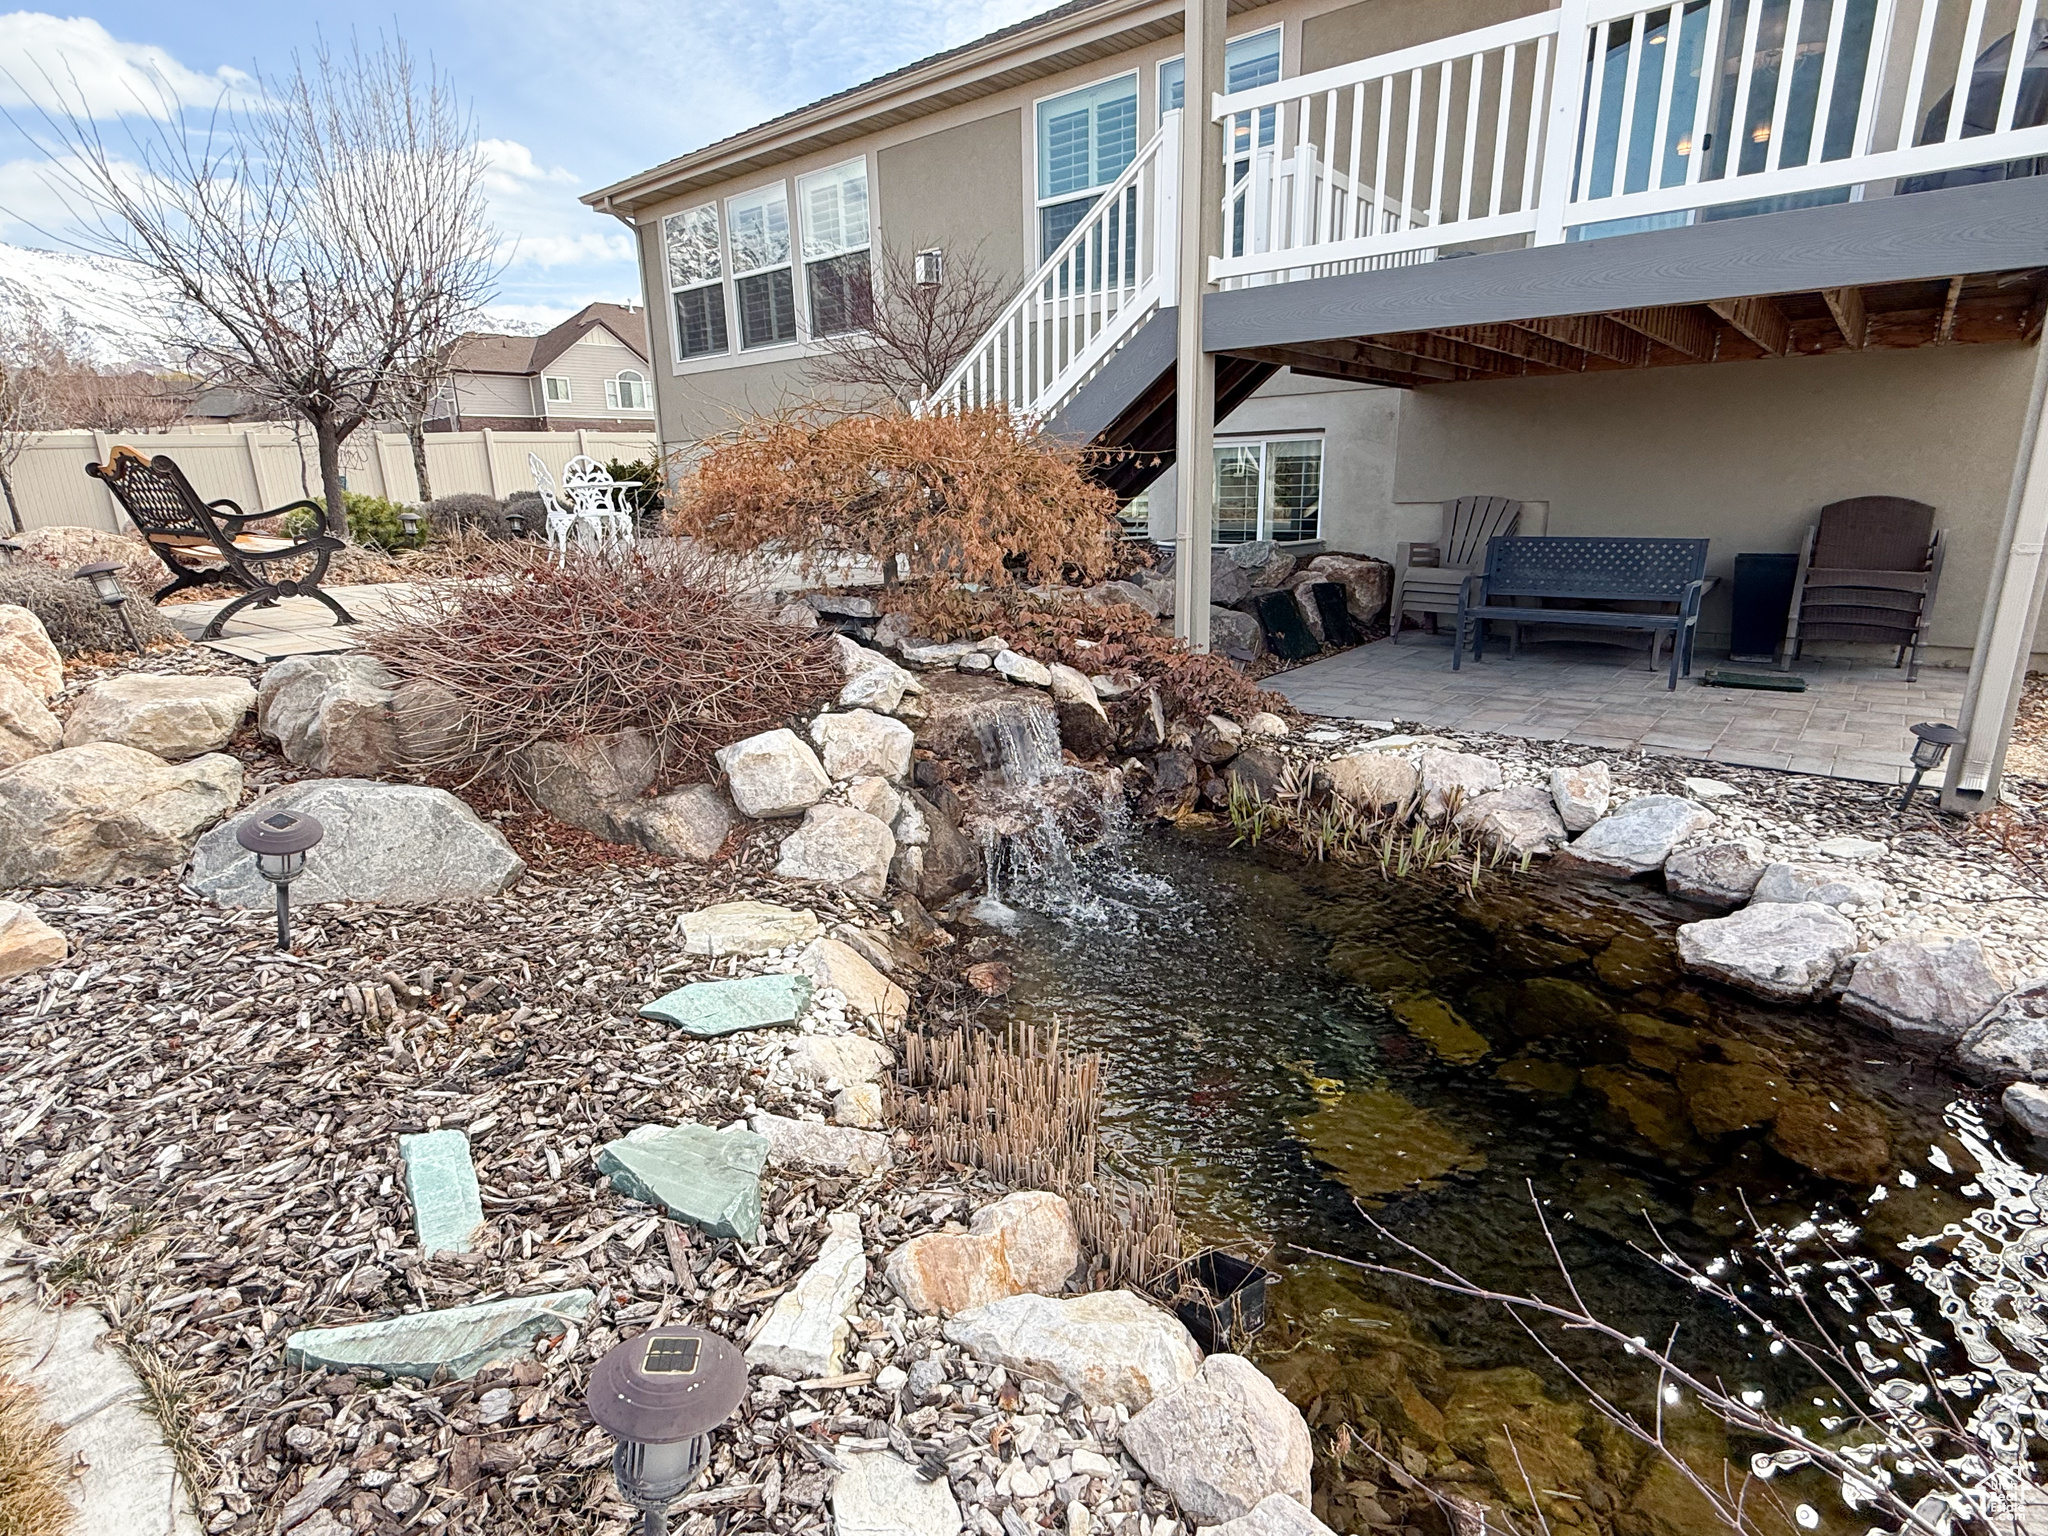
pixel 27 654
pixel 1787 951
pixel 1827 884
pixel 1372 781
pixel 692 822
pixel 1110 593
pixel 1234 633
pixel 1229 583
pixel 1107 1347
pixel 1581 794
pixel 1934 986
pixel 2010 1046
pixel 873 681
pixel 862 744
pixel 1223 1442
pixel 175 717
pixel 1451 780
pixel 398 845
pixel 1368 584
pixel 1268 564
pixel 1085 730
pixel 949 861
pixel 27 943
pixel 595 783
pixel 1639 835
pixel 838 845
pixel 773 774
pixel 1518 821
pixel 1023 1242
pixel 1720 874
pixel 97 814
pixel 27 728
pixel 333 714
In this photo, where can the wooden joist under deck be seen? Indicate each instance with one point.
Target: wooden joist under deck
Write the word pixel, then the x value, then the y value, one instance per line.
pixel 1982 307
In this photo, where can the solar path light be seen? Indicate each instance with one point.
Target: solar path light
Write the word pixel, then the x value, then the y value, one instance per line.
pixel 280 841
pixel 409 523
pixel 1931 744
pixel 659 1396
pixel 105 579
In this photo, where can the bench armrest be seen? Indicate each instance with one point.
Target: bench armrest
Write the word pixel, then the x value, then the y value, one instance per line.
pixel 1421 556
pixel 1689 599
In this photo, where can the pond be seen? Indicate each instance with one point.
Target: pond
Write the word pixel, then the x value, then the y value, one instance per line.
pixel 1303 1042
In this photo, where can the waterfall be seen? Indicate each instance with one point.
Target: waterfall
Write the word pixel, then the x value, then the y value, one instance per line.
pixel 1020 740
pixel 1035 813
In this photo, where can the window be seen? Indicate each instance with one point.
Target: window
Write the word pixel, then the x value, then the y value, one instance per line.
pixel 690 240
pixel 764 287
pixel 1247 62
pixel 627 392
pixel 834 205
pixel 1269 490
pixel 1085 139
pixel 557 389
pixel 1136 516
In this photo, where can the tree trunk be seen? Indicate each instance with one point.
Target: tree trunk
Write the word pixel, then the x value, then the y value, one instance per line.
pixel 13 511
pixel 328 441
pixel 416 434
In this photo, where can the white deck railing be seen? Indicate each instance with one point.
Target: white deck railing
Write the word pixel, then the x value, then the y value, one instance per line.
pixel 1551 127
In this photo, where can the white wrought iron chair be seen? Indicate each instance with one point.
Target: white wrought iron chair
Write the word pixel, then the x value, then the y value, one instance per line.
pixel 593 492
pixel 561 519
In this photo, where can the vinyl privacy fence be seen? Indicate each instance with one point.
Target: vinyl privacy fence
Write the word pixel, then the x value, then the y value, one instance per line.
pixel 267 466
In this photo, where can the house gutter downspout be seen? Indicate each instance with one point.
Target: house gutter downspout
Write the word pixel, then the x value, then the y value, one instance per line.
pixel 2012 611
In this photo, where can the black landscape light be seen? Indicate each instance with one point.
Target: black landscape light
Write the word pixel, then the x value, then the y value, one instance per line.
pixel 105 579
pixel 409 523
pixel 280 840
pixel 659 1395
pixel 1930 745
pixel 516 521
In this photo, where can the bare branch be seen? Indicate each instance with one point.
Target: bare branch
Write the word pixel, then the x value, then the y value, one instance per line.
pixel 912 334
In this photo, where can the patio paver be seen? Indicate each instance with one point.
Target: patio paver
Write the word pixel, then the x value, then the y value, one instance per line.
pixel 297 626
pixel 1849 724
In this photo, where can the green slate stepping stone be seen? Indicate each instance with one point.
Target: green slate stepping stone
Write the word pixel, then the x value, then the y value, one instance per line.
pixel 440 1180
pixel 723 1007
pixel 450 1344
pixel 711 1179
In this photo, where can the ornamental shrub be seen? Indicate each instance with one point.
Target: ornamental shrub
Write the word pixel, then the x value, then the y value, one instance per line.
pixel 371 520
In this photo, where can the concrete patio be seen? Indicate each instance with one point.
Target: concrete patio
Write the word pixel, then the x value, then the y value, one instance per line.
pixel 298 626
pixel 1850 723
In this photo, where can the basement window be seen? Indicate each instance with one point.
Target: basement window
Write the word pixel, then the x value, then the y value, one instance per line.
pixel 1268 489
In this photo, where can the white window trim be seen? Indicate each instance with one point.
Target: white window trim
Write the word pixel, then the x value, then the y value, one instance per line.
pixel 1279 31
pixel 803 319
pixel 805 346
pixel 615 394
pixel 548 381
pixel 1262 440
pixel 1137 76
pixel 793 263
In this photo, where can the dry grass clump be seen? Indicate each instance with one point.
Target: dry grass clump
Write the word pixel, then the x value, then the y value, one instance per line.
pixel 1027 1112
pixel 663 640
pixel 967 494
pixel 1114 637
pixel 76 620
pixel 33 1468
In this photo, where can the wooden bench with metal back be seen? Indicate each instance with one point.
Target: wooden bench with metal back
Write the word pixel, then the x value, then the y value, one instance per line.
pixel 203 544
pixel 1583 570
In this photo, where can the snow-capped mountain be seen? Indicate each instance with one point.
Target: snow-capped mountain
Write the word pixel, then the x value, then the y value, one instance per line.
pixel 100 309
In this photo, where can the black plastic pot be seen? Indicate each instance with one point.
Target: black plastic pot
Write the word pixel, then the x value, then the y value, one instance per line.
pixel 1234 1306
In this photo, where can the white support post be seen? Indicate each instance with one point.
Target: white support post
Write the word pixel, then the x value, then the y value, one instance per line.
pixel 1166 210
pixel 1561 130
pixel 1200 237
pixel 2012 610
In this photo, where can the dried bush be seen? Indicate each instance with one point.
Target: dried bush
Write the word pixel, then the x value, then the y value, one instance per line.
pixel 667 641
pixel 1114 637
pixel 76 620
pixel 469 512
pixel 967 494
pixel 34 1466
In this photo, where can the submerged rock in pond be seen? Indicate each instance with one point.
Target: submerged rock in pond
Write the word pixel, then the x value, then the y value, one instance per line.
pixel 1222 1441
pixel 1551 1078
pixel 1554 1005
pixel 1649 1104
pixel 1843 1141
pixel 1932 987
pixel 1436 1023
pixel 1657 1043
pixel 1724 1097
pixel 1638 836
pixel 1487 1408
pixel 1379 1144
pixel 1783 950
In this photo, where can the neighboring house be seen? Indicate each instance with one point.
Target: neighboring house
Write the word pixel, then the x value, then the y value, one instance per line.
pixel 589 373
pixel 1615 261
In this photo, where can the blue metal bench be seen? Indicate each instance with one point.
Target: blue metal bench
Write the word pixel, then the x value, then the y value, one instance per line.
pixel 1582 570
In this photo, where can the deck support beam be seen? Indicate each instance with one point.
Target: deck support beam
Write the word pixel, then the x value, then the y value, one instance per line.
pixel 1200 232
pixel 1846 305
pixel 1758 319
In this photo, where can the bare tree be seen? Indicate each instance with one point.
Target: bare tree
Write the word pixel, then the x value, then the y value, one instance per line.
pixel 414 389
pixel 316 240
pixel 29 362
pixel 910 335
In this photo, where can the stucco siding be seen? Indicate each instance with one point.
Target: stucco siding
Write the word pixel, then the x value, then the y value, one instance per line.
pixel 920 192
pixel 1380 26
pixel 1742 453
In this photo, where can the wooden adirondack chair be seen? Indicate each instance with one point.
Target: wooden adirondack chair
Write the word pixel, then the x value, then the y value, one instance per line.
pixel 1869 571
pixel 1432 575
pixel 203 544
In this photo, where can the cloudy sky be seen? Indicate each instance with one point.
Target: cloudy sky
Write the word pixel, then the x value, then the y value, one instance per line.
pixel 567 97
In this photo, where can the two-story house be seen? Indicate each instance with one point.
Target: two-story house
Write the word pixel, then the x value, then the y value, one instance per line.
pixel 1693 269
pixel 591 373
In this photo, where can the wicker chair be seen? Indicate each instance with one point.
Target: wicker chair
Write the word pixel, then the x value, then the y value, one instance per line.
pixel 1869 571
pixel 1432 575
pixel 203 544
